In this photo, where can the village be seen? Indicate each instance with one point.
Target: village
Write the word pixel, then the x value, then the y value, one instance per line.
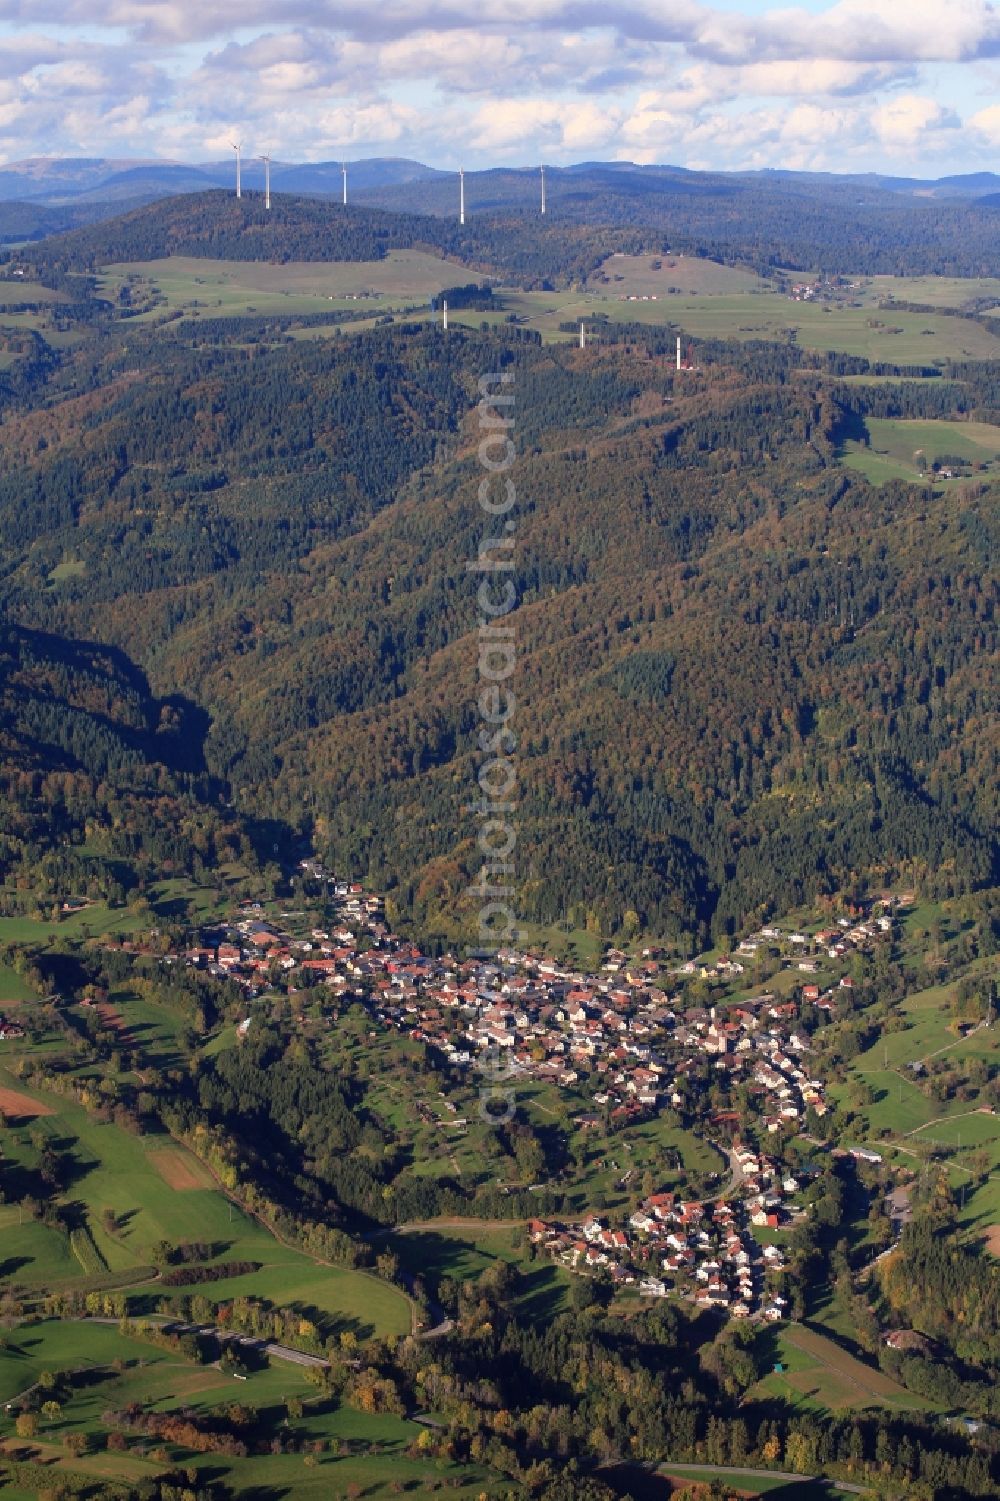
pixel 626 1035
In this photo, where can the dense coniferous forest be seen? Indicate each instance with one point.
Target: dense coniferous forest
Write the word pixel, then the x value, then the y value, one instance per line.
pixel 764 221
pixel 746 678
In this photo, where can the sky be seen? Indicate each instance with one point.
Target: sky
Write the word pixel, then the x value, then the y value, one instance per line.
pixel 897 86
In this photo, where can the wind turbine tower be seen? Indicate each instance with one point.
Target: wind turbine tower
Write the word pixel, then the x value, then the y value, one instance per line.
pixel 444 312
pixel 343 169
pixel 543 189
pixel 461 195
pixel 267 181
pixel 238 147
pixel 583 337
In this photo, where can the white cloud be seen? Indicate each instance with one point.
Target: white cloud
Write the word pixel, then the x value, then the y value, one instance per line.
pixel 986 124
pixel 911 121
pixel 504 125
pixel 850 82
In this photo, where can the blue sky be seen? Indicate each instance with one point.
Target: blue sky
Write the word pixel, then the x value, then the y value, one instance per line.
pixel 908 86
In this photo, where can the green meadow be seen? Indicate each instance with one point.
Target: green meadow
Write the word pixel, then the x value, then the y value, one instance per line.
pixel 360 1453
pixel 157 1191
pixel 817 1373
pixel 907 449
pixel 752 1483
pixel 465 1251
pixel 215 288
pixel 939 291
pixel 13 989
pixel 701 297
pixel 176 897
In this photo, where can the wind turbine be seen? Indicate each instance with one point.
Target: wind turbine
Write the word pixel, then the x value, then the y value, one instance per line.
pixel 267 180
pixel 343 169
pixel 543 188
pixel 461 195
pixel 237 147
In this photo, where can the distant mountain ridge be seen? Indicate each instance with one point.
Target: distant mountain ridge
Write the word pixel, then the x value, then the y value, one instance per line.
pixel 763 221
pixel 59 180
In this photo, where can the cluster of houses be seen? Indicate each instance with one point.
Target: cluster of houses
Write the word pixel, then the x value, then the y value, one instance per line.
pixel 625 1037
pixel 803 952
pixel 625 1034
pixel 9 1029
pixel 706 1252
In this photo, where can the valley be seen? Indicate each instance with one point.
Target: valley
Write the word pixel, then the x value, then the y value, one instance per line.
pixel 697 1168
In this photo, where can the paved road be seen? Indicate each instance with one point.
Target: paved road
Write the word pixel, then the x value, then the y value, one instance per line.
pixel 228 1337
pixel 727 1472
pixel 736 1174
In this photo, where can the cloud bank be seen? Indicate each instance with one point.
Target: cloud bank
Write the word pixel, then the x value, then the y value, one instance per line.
pixel 850 85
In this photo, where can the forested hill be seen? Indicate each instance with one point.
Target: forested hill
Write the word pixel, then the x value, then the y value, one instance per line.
pixel 825 224
pixel 744 676
pixel 103 786
pixel 218 225
pixel 833 227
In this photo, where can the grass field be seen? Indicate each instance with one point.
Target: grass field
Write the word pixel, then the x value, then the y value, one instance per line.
pixel 371 1447
pixel 464 1253
pixel 667 275
pixel 210 288
pixel 818 1373
pixel 890 337
pixel 709 301
pixel 749 1483
pixel 15 292
pixel 176 897
pixel 70 568
pixel 157 1191
pixel 13 989
pixel 146 1024
pixel 95 920
pixel 967 1130
pixel 938 291
pixel 895 447
pixel 27 1244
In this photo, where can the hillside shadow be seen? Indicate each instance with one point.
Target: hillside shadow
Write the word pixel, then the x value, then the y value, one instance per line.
pixel 13 1265
pixel 180 747
pixel 635 1483
pixel 540 1294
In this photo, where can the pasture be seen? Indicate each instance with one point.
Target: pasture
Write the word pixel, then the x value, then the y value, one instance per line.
pixel 363 1453
pixel 907 450
pixel 13 989
pixel 702 298
pixel 937 291
pixel 890 337
pixel 464 1251
pixel 667 275
pixel 817 1373
pixel 28 307
pixel 157 1191
pixel 748 1483
pixel 211 288
pixel 896 337
pixel 93 921
pixel 176 897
